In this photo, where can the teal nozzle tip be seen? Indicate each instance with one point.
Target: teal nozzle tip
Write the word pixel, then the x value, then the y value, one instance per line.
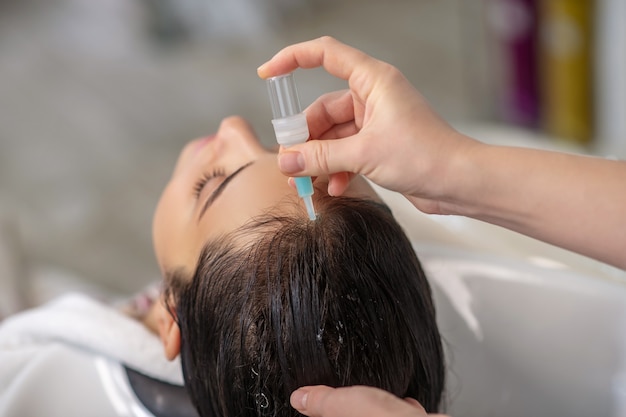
pixel 308 202
pixel 304 185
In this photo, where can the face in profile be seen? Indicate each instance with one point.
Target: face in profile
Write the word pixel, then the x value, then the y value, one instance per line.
pixel 219 183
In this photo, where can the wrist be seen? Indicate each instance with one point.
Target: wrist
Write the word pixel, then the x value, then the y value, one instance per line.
pixel 459 179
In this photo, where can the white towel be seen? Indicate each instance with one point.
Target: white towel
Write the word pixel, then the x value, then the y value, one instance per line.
pixel 80 321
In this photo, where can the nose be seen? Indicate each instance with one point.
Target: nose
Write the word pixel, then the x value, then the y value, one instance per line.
pixel 233 127
pixel 233 122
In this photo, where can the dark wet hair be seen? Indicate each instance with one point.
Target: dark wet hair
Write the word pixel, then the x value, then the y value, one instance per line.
pixel 285 302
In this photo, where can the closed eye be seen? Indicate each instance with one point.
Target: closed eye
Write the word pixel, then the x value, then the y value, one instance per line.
pixel 220 188
pixel 206 177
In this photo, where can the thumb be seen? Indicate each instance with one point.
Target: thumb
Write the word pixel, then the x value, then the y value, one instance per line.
pixel 355 401
pixel 318 157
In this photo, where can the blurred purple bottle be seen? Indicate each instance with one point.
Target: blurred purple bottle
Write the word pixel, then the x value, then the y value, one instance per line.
pixel 515 23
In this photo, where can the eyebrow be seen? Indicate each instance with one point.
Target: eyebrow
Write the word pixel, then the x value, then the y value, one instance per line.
pixel 220 188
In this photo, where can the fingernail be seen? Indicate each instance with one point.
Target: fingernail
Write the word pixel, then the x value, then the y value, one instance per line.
pixel 260 70
pixel 291 162
pixel 299 398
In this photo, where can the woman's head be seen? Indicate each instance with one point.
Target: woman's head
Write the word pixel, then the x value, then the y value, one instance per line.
pixel 273 301
pixel 219 183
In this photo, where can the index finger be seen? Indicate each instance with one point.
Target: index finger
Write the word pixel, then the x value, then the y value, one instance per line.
pixel 337 58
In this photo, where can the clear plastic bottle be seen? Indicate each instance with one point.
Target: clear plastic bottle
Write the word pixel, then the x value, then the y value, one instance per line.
pixel 290 127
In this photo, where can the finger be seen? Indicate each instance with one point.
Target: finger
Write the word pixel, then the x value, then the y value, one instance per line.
pixel 339 131
pixel 324 51
pixel 318 157
pixel 329 110
pixel 357 401
pixel 292 183
pixel 338 183
pixel 337 58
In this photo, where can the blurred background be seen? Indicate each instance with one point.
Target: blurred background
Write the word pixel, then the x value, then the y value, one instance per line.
pixel 98 97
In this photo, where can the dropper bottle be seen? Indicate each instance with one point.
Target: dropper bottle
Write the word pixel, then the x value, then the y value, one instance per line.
pixel 290 127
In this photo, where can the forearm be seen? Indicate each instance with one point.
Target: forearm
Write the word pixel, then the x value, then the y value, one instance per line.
pixel 572 201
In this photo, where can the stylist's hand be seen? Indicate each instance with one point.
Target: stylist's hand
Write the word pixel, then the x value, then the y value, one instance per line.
pixel 357 401
pixel 385 130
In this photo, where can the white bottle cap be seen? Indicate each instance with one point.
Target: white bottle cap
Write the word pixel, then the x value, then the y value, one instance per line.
pixel 291 130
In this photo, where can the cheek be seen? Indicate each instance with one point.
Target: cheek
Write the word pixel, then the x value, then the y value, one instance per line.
pixel 164 224
pixel 174 229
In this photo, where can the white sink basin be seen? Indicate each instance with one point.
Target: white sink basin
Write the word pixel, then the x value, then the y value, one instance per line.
pixel 527 340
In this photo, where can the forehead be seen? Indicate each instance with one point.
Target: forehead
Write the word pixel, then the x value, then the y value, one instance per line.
pixel 258 189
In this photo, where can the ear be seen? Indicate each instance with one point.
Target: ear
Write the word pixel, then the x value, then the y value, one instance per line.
pixel 169 333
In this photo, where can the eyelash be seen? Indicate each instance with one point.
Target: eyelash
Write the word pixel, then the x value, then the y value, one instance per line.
pixel 206 177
